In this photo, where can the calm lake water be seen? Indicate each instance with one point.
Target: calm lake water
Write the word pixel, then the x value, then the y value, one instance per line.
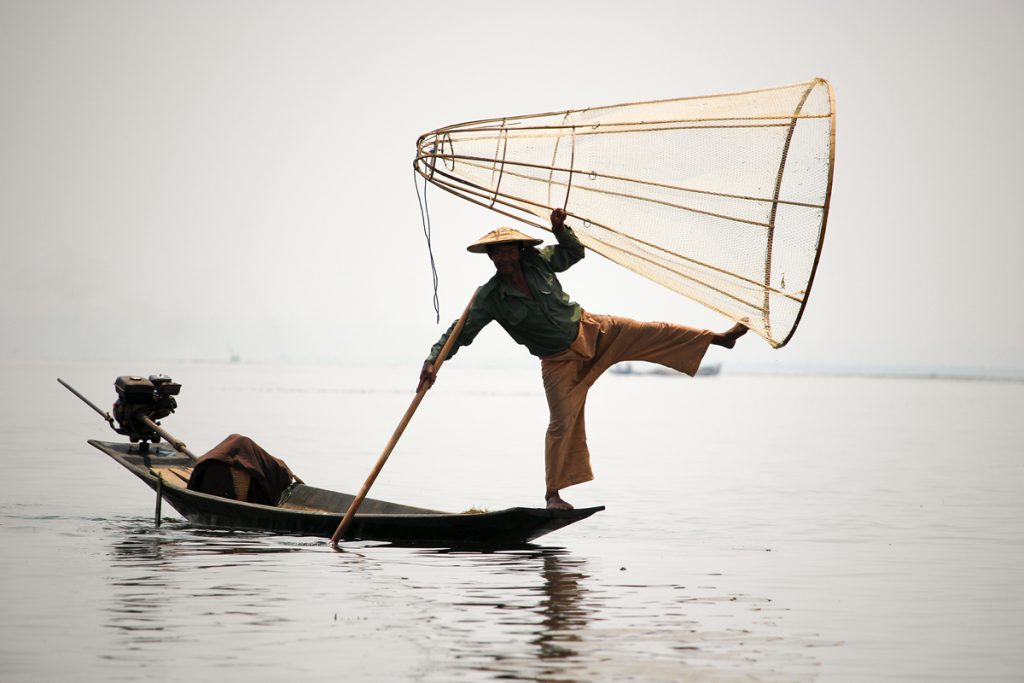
pixel 757 528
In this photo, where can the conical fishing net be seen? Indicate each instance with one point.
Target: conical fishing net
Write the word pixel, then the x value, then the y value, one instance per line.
pixel 722 199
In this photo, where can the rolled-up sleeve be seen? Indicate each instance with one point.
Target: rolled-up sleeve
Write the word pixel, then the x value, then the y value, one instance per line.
pixel 568 251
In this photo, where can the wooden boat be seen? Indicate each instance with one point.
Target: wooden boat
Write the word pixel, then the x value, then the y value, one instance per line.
pixel 310 511
pixel 648 369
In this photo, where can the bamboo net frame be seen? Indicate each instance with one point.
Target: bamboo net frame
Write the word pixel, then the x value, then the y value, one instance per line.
pixel 723 198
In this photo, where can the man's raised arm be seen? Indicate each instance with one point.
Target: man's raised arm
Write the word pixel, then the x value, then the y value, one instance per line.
pixel 568 251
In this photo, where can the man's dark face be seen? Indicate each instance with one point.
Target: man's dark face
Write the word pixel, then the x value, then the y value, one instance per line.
pixel 505 258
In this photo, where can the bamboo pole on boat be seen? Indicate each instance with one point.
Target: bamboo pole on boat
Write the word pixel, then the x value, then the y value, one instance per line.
pixel 393 441
pixel 159 498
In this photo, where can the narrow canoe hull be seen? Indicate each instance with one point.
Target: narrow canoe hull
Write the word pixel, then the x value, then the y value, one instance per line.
pixel 382 521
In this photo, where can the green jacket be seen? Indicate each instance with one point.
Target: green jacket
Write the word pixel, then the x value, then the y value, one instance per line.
pixel 547 323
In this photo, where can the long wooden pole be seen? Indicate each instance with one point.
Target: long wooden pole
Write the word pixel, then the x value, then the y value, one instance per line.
pixel 104 414
pixel 420 393
pixel 175 443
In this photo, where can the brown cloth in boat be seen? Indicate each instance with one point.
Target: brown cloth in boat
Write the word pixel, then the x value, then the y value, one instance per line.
pixel 603 341
pixel 238 468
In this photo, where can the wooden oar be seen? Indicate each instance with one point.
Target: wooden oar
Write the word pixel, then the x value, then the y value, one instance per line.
pixel 420 393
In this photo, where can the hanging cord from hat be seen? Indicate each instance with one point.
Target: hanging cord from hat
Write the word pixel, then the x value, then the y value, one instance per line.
pixel 425 219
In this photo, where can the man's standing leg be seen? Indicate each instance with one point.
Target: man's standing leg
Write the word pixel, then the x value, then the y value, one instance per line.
pixel 566 456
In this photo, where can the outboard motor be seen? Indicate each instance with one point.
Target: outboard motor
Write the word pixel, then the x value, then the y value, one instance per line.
pixel 141 402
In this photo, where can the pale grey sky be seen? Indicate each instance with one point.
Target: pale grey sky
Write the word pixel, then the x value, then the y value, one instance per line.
pixel 190 179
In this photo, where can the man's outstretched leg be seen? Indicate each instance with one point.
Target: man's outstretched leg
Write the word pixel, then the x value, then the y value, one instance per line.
pixel 729 337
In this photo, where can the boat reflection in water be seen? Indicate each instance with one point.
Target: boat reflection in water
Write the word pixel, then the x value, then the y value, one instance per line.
pixel 261 601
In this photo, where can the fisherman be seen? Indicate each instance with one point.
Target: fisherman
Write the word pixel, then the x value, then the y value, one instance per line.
pixel 575 347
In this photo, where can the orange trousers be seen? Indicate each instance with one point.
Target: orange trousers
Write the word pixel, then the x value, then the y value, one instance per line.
pixel 603 341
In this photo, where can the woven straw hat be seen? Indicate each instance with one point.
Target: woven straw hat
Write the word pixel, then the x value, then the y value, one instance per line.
pixel 501 236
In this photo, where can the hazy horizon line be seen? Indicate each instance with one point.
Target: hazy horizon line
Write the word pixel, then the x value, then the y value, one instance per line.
pixel 813 369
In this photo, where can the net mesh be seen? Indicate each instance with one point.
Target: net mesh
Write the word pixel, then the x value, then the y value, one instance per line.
pixel 722 199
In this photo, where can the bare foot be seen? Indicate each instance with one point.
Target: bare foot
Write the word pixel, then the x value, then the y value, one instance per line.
pixel 555 501
pixel 729 337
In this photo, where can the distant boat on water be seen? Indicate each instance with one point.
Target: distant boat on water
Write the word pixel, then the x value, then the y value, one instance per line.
pixel 629 368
